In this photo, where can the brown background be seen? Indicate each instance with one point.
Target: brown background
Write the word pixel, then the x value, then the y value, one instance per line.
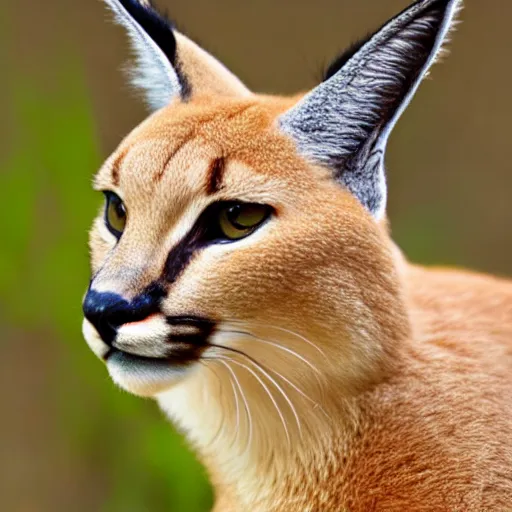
pixel 449 172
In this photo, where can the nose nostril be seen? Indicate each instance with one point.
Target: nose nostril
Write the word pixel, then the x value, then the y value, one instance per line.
pixel 106 330
pixel 102 310
pixel 108 311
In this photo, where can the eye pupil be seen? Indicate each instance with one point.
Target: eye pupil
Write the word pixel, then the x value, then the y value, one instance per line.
pixel 241 219
pixel 233 215
pixel 120 210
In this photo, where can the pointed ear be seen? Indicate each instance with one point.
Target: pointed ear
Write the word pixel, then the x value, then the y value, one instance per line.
pixel 345 122
pixel 169 65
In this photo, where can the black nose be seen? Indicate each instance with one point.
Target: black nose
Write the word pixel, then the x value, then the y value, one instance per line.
pixel 108 311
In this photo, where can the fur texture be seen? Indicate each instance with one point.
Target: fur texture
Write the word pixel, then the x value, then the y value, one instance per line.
pixel 309 364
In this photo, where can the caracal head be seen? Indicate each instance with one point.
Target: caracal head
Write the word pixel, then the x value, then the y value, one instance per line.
pixel 242 227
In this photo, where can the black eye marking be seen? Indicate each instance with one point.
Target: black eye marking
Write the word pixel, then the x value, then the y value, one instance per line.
pixel 181 254
pixel 206 231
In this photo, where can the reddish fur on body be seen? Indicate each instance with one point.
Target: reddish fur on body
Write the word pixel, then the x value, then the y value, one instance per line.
pixel 435 433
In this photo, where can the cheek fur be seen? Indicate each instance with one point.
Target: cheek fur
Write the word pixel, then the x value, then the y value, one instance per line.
pixel 275 270
pixel 100 243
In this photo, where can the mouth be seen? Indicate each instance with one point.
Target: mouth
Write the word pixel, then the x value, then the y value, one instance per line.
pixel 178 354
pixel 149 356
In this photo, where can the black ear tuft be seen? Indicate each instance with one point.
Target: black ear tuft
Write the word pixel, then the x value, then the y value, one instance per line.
pixel 155 24
pixel 160 29
pixel 157 71
pixel 354 47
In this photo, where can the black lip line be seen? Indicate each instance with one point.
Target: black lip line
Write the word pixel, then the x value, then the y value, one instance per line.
pixel 113 351
pixel 192 343
pixel 148 359
pixel 190 320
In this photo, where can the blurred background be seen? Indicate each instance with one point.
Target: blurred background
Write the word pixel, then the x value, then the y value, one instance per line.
pixel 69 440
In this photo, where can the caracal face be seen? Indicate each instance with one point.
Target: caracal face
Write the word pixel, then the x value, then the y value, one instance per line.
pixel 199 291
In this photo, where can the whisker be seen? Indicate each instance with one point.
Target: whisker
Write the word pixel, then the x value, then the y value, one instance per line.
pixel 269 377
pixel 267 390
pixel 285 396
pixel 221 425
pixel 201 361
pixel 288 381
pixel 283 329
pixel 237 406
pixel 277 345
pixel 244 399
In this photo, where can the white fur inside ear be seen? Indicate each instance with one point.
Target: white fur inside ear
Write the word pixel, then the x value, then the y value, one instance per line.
pixel 154 74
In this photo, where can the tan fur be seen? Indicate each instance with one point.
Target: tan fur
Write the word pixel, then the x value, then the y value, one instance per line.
pixel 403 402
pixel 206 72
pixel 415 389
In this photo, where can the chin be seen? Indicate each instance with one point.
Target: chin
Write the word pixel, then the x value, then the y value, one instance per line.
pixel 144 376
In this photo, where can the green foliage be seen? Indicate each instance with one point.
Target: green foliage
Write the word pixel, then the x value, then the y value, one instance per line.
pixel 46 206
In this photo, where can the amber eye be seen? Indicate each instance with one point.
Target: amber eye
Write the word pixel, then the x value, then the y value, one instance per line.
pixel 115 214
pixel 237 220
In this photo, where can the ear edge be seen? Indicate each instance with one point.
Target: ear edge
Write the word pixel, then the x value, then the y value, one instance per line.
pixel 154 45
pixel 306 128
pixel 439 48
pixel 168 63
pixel 345 55
pixel 341 59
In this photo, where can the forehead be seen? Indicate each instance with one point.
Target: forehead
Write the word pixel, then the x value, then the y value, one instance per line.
pixel 183 143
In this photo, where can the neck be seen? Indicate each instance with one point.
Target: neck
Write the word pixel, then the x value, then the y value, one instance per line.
pixel 243 431
pixel 270 420
pixel 271 423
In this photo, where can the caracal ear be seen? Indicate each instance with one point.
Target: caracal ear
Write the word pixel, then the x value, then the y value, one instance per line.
pixel 169 65
pixel 345 122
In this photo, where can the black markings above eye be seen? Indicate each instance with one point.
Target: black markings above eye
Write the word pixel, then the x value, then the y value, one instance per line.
pixel 115 214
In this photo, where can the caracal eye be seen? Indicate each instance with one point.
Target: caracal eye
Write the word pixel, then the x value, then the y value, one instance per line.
pixel 237 220
pixel 115 214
